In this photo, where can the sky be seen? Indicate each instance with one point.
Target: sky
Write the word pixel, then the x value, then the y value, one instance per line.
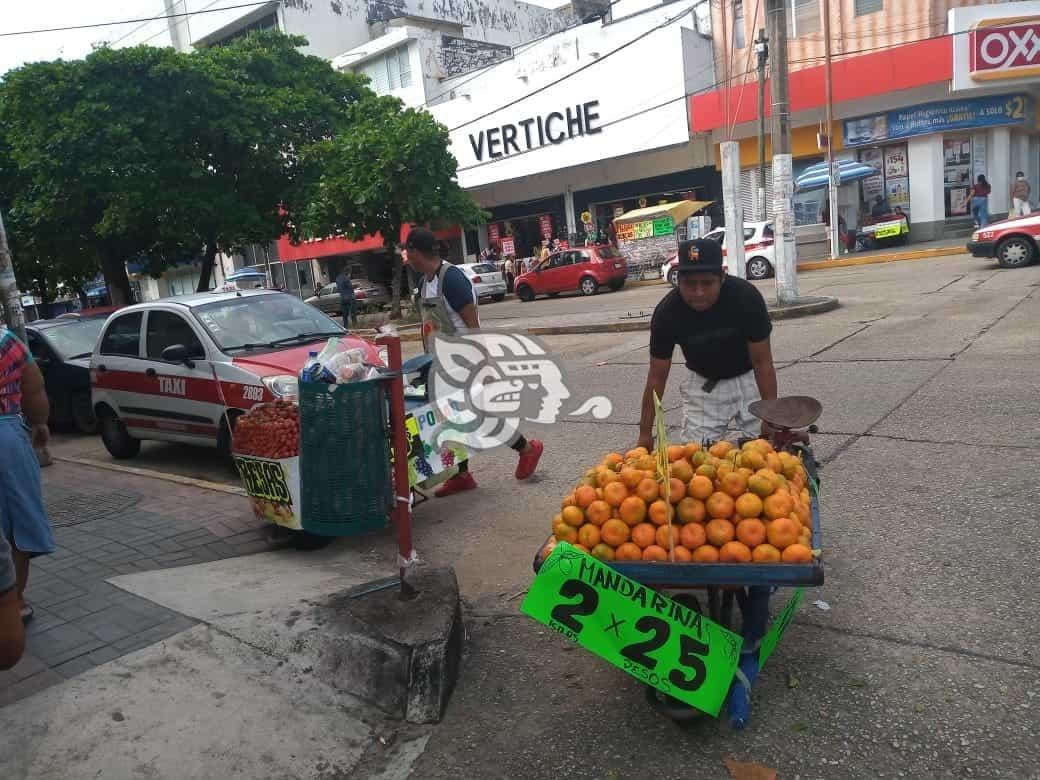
pixel 18 15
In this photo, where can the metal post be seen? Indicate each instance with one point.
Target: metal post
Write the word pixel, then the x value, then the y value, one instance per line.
pixel 762 51
pixel 402 511
pixel 12 300
pixel 733 207
pixel 785 254
pixel 832 175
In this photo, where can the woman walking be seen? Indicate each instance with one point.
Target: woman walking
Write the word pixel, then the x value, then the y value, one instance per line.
pixel 23 519
pixel 980 202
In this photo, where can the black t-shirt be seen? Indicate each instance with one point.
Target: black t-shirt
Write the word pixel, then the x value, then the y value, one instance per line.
pixel 714 342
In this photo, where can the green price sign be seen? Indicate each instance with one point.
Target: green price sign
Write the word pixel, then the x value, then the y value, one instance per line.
pixel 664 226
pixel 655 639
pixel 769 641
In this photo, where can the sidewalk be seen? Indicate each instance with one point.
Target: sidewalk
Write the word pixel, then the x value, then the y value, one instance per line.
pixel 107 524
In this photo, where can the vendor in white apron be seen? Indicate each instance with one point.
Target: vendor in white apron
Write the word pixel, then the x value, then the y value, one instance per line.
pixel 722 325
pixel 449 305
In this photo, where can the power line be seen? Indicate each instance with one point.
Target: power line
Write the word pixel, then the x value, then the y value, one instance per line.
pixel 133 21
pixel 576 71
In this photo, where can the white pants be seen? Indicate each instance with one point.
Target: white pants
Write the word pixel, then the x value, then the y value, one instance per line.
pixel 707 417
pixel 1020 208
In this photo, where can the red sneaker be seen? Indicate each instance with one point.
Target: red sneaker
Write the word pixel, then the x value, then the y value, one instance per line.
pixel 529 462
pixel 457 484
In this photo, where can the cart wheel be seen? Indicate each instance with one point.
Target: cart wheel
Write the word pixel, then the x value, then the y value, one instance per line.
pixel 305 540
pixel 669 707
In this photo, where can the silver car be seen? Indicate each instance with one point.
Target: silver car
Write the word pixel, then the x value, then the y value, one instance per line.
pixel 365 292
pixel 486 280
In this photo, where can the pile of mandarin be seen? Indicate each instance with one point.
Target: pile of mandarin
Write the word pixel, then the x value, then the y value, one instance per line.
pixel 726 504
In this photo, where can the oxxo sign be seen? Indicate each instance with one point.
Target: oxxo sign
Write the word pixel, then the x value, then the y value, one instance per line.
pixel 534 131
pixel 1005 52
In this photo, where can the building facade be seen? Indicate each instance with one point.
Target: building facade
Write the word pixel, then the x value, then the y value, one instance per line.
pixel 905 100
pixel 557 136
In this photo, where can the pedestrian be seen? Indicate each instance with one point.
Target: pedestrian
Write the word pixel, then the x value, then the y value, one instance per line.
pixel 980 201
pixel 449 306
pixel 347 302
pixel 23 518
pixel 510 273
pixel 12 630
pixel 722 325
pixel 1020 190
pixel 545 251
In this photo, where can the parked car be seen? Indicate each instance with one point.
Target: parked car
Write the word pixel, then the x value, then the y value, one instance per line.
pixel 487 281
pixel 583 270
pixel 1013 242
pixel 62 348
pixel 155 367
pixel 758 251
pixel 365 292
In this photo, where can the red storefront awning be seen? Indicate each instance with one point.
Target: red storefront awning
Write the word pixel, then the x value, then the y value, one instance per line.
pixel 325 247
pixel 866 75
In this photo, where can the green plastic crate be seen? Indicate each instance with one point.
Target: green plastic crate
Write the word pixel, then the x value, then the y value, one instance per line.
pixel 345 480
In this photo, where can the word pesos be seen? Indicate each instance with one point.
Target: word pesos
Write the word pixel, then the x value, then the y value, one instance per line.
pixel 553 128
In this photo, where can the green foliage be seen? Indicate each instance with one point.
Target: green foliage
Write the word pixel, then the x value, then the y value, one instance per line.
pixel 392 167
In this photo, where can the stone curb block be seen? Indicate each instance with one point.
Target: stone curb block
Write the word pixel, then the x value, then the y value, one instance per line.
pixel 400 655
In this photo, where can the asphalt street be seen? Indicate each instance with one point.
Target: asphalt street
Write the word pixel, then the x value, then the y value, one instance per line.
pixel 924 664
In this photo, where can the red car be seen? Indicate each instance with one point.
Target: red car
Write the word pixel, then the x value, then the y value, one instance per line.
pixel 583 270
pixel 1013 242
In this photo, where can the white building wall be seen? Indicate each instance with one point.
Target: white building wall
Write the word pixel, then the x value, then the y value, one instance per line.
pixel 638 94
pixel 927 207
pixel 998 173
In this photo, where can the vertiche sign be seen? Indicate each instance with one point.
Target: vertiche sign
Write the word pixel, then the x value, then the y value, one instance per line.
pixel 534 131
pixel 1004 49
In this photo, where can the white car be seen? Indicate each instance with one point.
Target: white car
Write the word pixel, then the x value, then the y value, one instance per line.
pixel 758 251
pixel 486 280
pixel 183 369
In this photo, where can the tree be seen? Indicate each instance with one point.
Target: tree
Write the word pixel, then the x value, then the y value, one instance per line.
pixel 153 155
pixel 391 168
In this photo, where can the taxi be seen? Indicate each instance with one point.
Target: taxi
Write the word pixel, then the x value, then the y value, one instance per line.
pixel 183 369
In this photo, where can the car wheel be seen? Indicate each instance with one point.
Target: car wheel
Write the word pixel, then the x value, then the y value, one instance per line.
pixel 499 297
pixel 224 435
pixel 83 416
pixel 525 293
pixel 673 277
pixel 588 285
pixel 119 443
pixel 759 268
pixel 1015 252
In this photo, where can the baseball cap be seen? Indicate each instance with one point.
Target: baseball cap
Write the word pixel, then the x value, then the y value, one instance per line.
pixel 700 254
pixel 421 239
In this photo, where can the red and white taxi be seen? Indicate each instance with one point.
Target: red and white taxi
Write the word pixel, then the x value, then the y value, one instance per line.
pixel 1013 242
pixel 168 369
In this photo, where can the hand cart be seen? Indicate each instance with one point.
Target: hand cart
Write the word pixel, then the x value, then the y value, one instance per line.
pixel 748 585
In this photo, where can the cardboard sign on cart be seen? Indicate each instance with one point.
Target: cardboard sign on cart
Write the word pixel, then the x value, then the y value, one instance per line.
pixel 273 487
pixel 655 639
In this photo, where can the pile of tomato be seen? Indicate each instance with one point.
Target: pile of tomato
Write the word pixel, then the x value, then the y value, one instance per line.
pixel 270 430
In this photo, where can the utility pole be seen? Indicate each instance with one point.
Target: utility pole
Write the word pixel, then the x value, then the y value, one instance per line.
pixel 785 254
pixel 12 301
pixel 762 52
pixel 731 201
pixel 833 180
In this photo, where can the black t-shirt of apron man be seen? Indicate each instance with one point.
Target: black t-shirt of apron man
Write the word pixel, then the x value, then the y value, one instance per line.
pixel 714 342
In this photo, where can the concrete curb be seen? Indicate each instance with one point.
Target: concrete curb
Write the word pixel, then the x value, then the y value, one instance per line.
pixel 806 308
pixel 175 478
pixel 894 257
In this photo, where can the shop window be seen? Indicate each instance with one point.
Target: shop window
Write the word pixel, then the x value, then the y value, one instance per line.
pixel 738 24
pixel 957 176
pixel 803 16
pixel 864 7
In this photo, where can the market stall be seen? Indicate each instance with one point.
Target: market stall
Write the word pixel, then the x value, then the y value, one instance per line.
pixel 647 237
pixel 651 551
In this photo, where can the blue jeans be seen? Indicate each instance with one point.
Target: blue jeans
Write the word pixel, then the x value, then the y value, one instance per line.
pixel 980 211
pixel 349 308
